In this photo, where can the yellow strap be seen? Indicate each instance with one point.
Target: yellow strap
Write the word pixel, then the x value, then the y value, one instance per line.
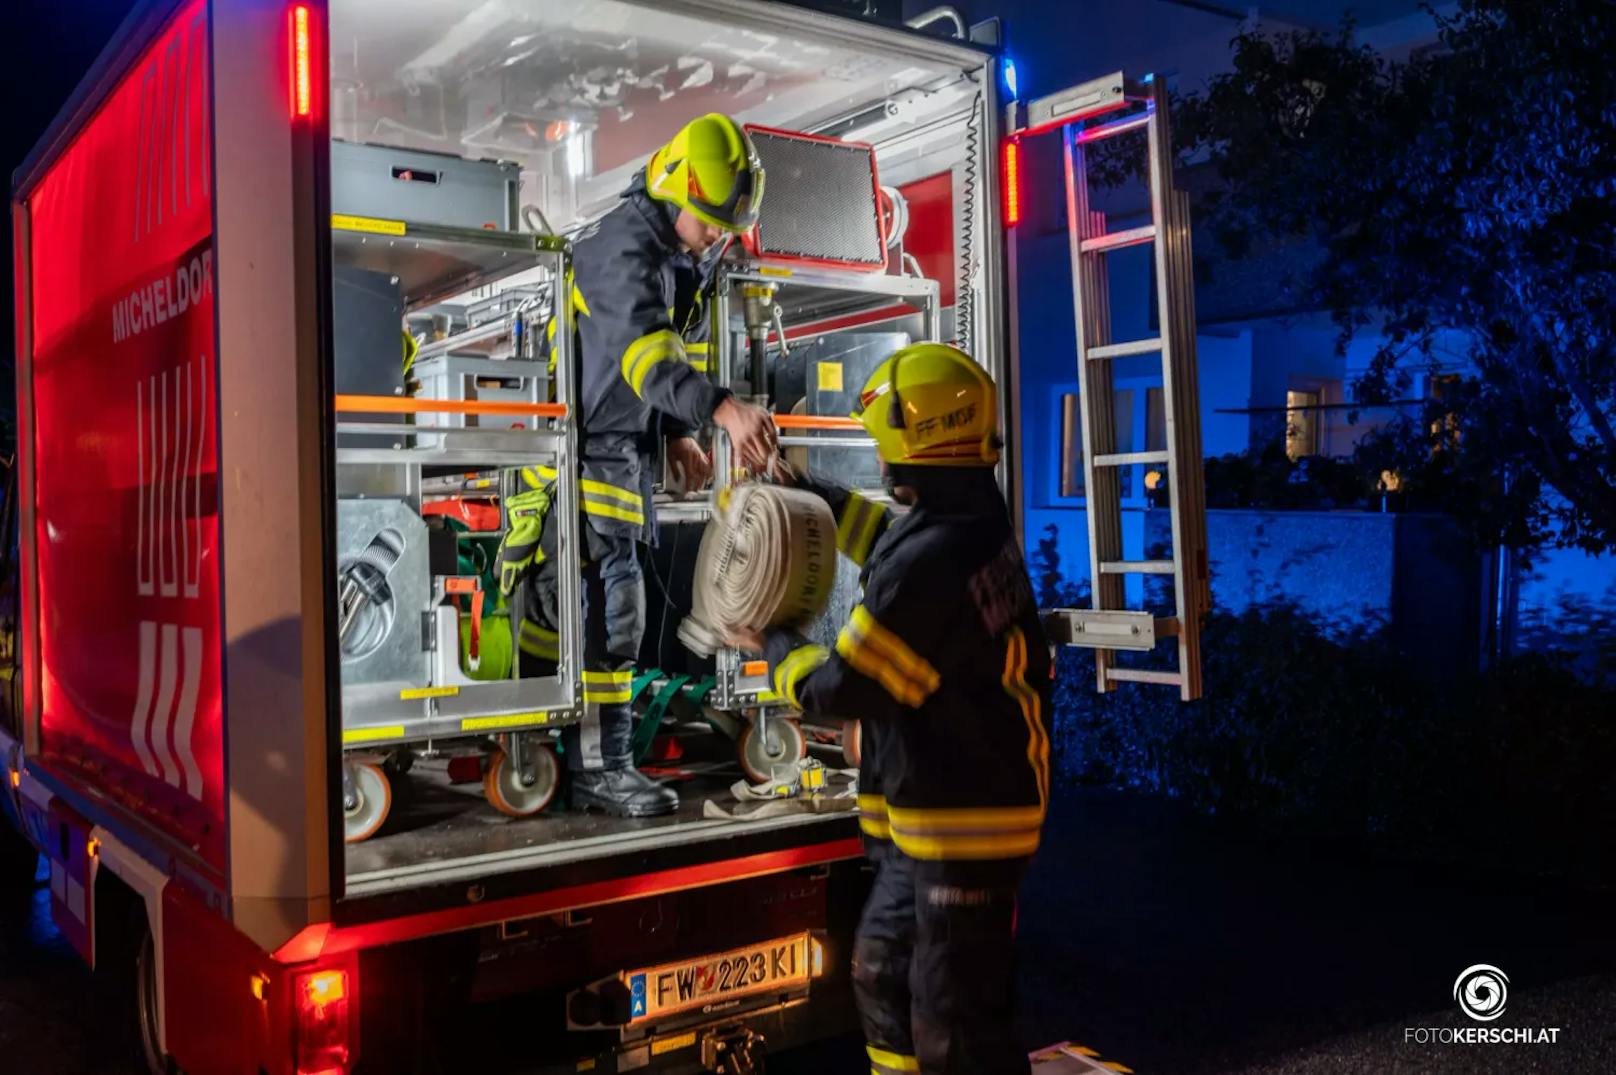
pixel 608 695
pixel 890 1061
pixel 789 673
pixel 626 676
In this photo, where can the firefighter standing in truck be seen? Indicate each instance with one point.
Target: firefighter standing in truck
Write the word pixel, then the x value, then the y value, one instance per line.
pixel 945 664
pixel 639 274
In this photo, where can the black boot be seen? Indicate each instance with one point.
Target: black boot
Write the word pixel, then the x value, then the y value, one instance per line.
pixel 623 792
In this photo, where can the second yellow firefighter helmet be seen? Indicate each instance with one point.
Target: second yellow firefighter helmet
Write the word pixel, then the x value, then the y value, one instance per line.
pixel 711 169
pixel 930 405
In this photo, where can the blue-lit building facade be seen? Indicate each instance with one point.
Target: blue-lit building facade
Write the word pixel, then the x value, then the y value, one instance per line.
pixel 1269 374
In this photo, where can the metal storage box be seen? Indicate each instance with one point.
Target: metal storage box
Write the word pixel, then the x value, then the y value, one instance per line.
pixel 425 188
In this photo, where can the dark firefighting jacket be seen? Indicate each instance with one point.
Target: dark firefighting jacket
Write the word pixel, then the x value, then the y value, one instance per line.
pixel 945 664
pixel 637 298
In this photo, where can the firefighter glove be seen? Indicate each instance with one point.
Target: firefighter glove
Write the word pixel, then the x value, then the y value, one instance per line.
pixel 519 550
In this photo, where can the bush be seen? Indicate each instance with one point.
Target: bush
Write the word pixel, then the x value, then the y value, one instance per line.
pixel 1329 736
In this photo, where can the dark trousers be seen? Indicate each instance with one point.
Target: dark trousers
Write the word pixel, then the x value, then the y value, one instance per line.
pixel 934 966
pixel 614 622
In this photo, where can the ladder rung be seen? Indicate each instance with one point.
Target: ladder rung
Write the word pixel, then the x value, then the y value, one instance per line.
pixel 1118 239
pixel 1125 459
pixel 1138 567
pixel 1115 127
pixel 1144 675
pixel 1122 350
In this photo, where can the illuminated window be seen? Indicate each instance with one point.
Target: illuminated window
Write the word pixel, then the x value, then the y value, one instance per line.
pixel 1301 424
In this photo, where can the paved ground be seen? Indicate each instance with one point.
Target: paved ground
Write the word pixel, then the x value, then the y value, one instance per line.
pixel 1168 945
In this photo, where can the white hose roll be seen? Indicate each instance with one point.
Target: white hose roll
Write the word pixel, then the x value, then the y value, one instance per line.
pixel 767 559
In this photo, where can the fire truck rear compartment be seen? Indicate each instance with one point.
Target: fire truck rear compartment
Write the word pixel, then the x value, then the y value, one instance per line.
pixel 466 150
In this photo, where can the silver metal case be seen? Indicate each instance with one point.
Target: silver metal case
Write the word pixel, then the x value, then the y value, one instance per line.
pixel 428 188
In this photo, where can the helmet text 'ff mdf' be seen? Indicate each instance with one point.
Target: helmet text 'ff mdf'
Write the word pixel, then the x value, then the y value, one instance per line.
pixel 930 405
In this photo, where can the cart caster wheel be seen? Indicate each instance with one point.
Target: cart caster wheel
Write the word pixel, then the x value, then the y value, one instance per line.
pixel 373 798
pixel 504 789
pixel 852 744
pixel 786 746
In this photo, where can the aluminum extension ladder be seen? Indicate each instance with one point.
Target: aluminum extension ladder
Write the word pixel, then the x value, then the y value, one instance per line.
pixel 1086 114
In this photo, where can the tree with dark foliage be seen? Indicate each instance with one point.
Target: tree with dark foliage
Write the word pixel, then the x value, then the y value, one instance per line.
pixel 1467 193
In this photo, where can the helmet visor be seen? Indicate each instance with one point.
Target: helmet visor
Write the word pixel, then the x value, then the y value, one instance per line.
pixel 739 212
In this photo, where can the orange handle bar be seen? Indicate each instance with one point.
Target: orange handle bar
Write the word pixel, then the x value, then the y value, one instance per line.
pixel 815 421
pixel 408 405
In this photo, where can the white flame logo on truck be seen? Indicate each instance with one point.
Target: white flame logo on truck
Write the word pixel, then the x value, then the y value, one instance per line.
pixel 171 411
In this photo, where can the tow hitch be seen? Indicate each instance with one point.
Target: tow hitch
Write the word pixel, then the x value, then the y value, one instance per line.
pixel 733 1050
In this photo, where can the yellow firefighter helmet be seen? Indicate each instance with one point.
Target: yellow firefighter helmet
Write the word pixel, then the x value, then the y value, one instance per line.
pixel 930 405
pixel 711 169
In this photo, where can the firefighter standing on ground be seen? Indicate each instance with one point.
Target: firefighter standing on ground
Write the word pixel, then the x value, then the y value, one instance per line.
pixel 639 274
pixel 946 666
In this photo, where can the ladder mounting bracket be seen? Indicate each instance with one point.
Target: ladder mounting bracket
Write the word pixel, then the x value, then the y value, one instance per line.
pixel 1100 630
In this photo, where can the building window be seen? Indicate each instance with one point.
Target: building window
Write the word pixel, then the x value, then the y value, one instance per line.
pixel 1301 424
pixel 1071 473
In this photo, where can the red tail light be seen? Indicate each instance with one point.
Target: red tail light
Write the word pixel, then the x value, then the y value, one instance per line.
pixel 302 56
pixel 324 1030
pixel 1012 183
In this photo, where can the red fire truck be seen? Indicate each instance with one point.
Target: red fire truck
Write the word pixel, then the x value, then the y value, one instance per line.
pixel 259 723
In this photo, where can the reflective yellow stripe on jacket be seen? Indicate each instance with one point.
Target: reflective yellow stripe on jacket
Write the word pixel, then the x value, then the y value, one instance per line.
pixel 609 687
pixel 856 527
pixel 539 641
pixel 887 659
pixel 644 353
pixel 1017 687
pixel 966 833
pixel 612 501
pixel 873 821
pixel 791 671
pixel 885 1062
pixel 537 477
pixel 599 498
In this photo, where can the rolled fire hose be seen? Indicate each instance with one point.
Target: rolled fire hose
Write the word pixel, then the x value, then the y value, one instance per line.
pixel 767 559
